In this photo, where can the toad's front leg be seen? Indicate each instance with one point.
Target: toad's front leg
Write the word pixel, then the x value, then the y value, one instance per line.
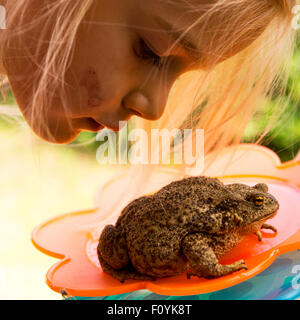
pixel 265 226
pixel 203 260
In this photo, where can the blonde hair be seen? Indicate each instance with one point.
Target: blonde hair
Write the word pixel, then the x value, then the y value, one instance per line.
pixel 221 99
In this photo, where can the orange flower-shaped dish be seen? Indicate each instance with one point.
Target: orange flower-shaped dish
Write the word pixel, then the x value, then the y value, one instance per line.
pixel 73 237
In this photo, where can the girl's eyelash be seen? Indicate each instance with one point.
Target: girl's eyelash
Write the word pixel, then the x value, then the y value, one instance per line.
pixel 146 53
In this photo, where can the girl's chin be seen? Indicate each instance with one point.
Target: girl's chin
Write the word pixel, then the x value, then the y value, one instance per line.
pixel 64 139
pixel 59 137
pixel 63 133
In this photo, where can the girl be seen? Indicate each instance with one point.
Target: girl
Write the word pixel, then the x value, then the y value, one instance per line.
pixel 78 65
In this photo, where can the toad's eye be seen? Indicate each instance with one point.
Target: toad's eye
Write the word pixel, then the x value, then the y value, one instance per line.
pixel 259 200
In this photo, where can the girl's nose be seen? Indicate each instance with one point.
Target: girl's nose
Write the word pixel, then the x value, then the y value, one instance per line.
pixel 140 103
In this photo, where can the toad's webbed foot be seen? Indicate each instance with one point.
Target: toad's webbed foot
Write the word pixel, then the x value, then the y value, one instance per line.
pixel 225 269
pixel 203 260
pixel 265 226
pixel 268 226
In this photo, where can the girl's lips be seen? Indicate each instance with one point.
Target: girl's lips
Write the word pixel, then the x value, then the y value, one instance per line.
pixel 113 128
pixel 80 122
pixel 87 124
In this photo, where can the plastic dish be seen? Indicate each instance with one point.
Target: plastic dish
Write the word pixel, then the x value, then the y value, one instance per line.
pixel 72 239
pixel 280 281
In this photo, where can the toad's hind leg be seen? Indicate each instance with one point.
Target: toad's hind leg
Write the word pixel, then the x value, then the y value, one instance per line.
pixel 113 248
pixel 113 256
pixel 203 260
pixel 122 274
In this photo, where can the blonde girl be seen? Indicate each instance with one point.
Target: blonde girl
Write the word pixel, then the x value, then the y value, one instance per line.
pixel 78 65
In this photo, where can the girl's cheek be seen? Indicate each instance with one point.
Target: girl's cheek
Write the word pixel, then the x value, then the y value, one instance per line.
pixel 90 82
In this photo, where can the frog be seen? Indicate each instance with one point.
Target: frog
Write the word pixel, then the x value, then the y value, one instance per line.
pixel 185 227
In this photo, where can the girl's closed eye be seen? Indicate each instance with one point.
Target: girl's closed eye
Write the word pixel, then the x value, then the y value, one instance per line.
pixel 144 52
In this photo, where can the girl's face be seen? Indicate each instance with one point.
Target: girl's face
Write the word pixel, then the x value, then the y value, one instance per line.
pixel 116 71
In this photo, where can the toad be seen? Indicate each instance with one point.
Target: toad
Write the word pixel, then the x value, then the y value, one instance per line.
pixel 186 226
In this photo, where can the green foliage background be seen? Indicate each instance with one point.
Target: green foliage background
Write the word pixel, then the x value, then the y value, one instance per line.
pixel 284 137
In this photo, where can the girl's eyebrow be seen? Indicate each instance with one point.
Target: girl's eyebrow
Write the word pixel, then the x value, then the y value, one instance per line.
pixel 185 42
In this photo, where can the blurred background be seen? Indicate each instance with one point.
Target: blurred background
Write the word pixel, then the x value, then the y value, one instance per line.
pixel 39 181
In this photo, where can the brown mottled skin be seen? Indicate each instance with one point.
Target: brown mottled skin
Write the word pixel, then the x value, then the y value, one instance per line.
pixel 187 225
